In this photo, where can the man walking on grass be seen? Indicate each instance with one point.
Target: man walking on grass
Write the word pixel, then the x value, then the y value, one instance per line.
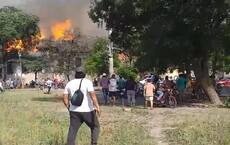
pixel 86 113
pixel 49 84
pixel 1 86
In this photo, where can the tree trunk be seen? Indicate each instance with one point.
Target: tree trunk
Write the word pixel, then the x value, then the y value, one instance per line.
pixel 68 77
pixel 4 62
pixel 1 59
pixel 202 75
pixel 36 75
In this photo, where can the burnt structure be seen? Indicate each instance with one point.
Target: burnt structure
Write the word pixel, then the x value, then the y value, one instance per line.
pixel 10 65
pixel 73 52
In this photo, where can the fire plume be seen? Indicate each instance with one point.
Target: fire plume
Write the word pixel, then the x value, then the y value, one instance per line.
pixel 62 30
pixel 42 35
pixel 15 45
pixel 35 49
pixel 19 45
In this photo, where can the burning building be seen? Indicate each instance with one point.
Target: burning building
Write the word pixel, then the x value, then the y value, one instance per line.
pixel 65 49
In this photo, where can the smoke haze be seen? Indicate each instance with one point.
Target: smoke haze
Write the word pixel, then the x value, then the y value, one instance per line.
pixel 53 11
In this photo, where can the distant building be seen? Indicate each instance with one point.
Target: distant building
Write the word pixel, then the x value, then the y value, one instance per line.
pixel 13 63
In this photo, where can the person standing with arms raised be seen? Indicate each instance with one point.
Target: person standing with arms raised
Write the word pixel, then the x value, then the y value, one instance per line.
pixel 87 112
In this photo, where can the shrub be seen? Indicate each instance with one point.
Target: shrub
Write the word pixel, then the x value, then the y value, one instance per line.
pixel 127 72
pixel 227 102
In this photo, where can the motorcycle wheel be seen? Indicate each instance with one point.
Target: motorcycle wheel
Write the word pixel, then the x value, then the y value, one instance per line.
pixel 172 102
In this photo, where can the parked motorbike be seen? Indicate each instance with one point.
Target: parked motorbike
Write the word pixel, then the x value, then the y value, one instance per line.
pixel 166 98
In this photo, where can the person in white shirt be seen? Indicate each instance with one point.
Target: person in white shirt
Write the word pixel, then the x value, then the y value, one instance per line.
pixel 1 87
pixel 49 84
pixel 112 89
pixel 86 113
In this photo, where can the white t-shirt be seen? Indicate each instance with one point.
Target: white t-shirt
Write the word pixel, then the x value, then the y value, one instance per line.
pixel 112 85
pixel 86 87
pixel 1 86
pixel 49 83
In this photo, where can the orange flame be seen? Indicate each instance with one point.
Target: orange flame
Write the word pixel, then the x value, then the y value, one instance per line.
pixel 20 45
pixel 35 49
pixel 15 45
pixel 62 30
pixel 42 35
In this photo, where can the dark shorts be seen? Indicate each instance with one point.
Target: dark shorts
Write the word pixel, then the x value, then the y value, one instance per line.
pixel 112 94
pixel 122 94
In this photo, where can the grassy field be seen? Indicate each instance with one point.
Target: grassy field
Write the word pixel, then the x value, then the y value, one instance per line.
pixel 29 117
pixel 198 126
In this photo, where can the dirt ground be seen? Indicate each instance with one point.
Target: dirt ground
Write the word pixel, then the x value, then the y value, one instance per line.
pixel 163 119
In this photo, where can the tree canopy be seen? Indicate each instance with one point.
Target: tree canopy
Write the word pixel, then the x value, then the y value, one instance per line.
pixel 180 28
pixel 34 63
pixel 16 25
pixel 98 60
pixel 171 33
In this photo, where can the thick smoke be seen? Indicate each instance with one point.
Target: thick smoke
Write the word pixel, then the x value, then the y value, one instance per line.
pixel 52 11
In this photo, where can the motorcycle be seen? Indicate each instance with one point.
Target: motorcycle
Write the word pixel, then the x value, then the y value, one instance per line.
pixel 139 90
pixel 166 98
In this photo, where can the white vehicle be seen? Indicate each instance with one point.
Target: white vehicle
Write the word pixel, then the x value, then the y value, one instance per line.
pixel 146 78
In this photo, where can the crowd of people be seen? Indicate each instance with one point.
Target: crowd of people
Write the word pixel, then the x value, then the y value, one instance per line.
pixel 113 87
pixel 117 87
pixel 47 84
pixel 44 84
pixel 11 83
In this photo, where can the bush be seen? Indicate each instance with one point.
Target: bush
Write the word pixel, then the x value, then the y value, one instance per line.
pixel 127 72
pixel 227 102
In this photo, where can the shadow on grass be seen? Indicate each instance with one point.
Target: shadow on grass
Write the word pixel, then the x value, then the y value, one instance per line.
pixel 47 99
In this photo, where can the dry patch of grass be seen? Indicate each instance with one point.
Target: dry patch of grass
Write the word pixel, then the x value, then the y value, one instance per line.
pixel 197 126
pixel 29 117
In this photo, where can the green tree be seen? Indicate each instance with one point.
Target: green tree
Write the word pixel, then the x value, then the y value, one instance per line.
pixel 33 63
pixel 98 60
pixel 16 25
pixel 173 33
pixel 127 72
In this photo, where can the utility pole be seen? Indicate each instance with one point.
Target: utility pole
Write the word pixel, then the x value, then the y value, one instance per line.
pixel 110 46
pixel 20 62
pixel 111 71
pixel 1 60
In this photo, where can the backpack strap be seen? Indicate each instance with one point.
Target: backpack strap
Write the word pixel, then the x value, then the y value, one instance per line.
pixel 80 84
